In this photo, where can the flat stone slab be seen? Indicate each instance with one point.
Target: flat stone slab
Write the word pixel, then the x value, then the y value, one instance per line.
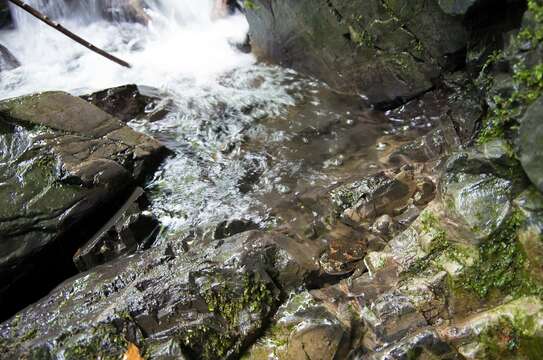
pixel 62 159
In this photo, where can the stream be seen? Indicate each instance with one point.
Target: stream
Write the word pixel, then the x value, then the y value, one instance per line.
pixel 248 138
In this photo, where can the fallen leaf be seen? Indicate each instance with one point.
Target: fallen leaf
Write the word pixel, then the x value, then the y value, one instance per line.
pixel 132 353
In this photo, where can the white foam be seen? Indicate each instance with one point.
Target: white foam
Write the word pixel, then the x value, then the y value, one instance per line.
pixel 180 41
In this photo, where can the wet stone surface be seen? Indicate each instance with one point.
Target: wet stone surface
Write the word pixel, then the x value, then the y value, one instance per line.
pixel 209 303
pixel 62 160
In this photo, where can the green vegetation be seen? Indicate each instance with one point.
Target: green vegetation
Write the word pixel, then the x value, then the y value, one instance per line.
pixel 500 266
pixel 105 343
pixel 430 227
pixel 512 336
pixel 250 4
pixel 226 302
pixel 527 86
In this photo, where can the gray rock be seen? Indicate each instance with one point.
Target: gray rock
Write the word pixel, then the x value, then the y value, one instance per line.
pixel 479 185
pixel 307 327
pixel 530 235
pixel 531 144
pixel 130 229
pixel 389 318
pixel 385 225
pixel 125 102
pixel 425 344
pixel 510 331
pixel 232 227
pixel 207 303
pixel 62 160
pixel 387 51
pixel 7 60
pixel 5 14
pixel 374 195
pixel 456 7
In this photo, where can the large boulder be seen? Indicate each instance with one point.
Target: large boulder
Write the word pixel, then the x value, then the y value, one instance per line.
pixel 206 303
pixel 62 160
pixel 531 146
pixel 386 50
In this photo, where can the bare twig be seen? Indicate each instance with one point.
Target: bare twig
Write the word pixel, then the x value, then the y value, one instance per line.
pixel 68 33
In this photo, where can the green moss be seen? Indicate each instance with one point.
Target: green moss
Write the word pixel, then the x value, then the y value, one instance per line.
pixel 223 301
pixel 250 5
pixel 500 266
pixel 29 335
pixel 104 343
pixel 228 302
pixel 503 116
pixel 429 226
pixel 508 340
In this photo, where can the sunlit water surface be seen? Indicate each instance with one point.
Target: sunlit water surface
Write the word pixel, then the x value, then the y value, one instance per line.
pixel 247 137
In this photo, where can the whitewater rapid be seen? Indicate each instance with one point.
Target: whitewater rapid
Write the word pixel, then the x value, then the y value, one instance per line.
pixel 247 137
pixel 180 41
pixel 191 62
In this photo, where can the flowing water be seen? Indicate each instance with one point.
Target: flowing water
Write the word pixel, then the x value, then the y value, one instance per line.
pixel 248 138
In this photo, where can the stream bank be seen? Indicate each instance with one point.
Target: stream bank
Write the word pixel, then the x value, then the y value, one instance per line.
pixel 299 222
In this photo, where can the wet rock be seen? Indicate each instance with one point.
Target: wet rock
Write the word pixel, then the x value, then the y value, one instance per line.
pixel 385 225
pixel 425 344
pixel 410 214
pixel 375 195
pixel 5 14
pixel 76 119
pixel 477 187
pixel 207 303
pixel 530 203
pixel 125 10
pixel 232 227
pixel 465 105
pixel 305 327
pixel 124 102
pixel 345 247
pixel 510 331
pixel 456 7
pixel 130 229
pixel 531 146
pixel 435 144
pixel 389 318
pixel 63 162
pixel 425 193
pixel 388 52
pixel 7 60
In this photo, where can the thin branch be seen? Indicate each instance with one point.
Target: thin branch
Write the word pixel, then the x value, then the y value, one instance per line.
pixel 68 33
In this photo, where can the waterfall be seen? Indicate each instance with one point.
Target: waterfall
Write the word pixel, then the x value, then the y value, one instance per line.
pixel 216 94
pixel 177 39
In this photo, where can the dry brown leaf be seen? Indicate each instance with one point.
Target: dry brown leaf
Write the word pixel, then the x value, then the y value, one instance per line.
pixel 132 353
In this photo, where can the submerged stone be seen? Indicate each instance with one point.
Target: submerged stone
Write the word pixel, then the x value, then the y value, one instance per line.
pixel 374 195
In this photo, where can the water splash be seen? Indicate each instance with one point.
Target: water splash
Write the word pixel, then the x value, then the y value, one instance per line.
pixel 180 41
pixel 247 137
